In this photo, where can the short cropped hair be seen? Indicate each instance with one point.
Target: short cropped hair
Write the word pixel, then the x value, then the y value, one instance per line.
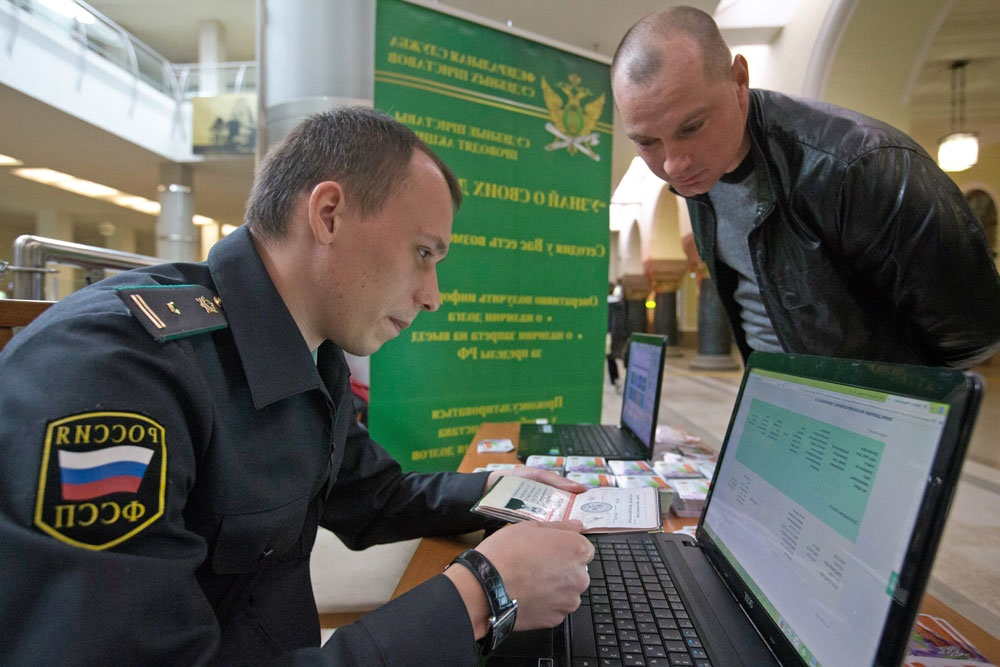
pixel 364 150
pixel 641 51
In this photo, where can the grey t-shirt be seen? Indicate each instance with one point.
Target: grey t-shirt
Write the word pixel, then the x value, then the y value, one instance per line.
pixel 735 200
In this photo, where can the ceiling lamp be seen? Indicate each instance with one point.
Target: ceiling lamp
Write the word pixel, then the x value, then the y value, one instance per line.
pixel 93 190
pixel 959 150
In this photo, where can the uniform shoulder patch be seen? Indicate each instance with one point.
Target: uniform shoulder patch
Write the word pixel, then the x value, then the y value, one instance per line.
pixel 103 478
pixel 169 312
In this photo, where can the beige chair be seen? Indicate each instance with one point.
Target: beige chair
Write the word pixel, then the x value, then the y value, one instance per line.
pixel 16 313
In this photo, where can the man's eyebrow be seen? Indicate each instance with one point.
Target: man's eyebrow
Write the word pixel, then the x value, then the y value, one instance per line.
pixel 693 116
pixel 636 138
pixel 437 243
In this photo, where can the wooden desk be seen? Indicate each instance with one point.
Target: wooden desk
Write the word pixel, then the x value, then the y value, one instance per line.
pixel 18 313
pixel 433 554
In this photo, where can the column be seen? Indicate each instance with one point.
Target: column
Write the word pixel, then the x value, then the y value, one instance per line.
pixel 665 275
pixel 635 315
pixel 313 55
pixel 665 321
pixel 177 239
pixel 210 235
pixel 53 224
pixel 211 53
pixel 715 339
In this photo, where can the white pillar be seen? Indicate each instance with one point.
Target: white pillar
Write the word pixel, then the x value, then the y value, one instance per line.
pixel 210 235
pixel 211 53
pixel 177 239
pixel 312 55
pixel 53 224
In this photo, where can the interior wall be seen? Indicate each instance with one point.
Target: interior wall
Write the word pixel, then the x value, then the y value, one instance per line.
pixel 871 73
pixel 790 55
pixel 985 176
pixel 879 49
pixel 16 226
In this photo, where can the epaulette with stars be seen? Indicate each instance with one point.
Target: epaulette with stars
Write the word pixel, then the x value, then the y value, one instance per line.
pixel 169 312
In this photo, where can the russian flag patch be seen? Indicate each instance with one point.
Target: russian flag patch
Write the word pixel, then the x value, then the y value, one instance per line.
pixel 102 479
pixel 89 475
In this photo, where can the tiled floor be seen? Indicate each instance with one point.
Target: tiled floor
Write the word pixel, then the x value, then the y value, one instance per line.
pixel 966 572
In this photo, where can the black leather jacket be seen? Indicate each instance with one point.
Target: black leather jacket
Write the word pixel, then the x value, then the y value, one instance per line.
pixel 863 248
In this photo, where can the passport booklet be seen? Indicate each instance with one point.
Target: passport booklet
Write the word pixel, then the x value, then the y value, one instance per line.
pixel 602 509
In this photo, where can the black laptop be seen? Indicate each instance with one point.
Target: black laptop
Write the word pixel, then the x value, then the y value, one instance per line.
pixel 634 436
pixel 817 538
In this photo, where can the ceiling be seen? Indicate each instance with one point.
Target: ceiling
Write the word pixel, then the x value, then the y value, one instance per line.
pixel 43 136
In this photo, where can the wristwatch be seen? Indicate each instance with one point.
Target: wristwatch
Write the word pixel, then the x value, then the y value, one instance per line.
pixel 503 609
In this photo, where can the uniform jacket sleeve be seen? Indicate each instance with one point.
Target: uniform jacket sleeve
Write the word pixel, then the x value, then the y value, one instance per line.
pixel 138 600
pixel 373 501
pixel 68 596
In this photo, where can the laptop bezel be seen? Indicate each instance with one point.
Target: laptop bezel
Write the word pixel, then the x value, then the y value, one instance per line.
pixel 660 342
pixel 962 391
pixel 528 443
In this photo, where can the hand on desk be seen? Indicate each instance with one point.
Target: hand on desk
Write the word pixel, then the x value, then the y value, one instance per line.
pixel 537 474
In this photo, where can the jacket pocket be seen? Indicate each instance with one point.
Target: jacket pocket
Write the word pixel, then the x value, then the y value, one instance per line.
pixel 243 539
pixel 800 289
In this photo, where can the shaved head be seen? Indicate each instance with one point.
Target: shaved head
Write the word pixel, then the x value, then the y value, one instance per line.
pixel 641 55
pixel 683 98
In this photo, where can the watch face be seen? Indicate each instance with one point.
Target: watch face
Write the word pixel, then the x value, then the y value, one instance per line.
pixel 501 626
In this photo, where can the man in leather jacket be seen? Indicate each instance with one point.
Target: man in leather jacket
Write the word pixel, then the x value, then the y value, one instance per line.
pixel 171 437
pixel 826 232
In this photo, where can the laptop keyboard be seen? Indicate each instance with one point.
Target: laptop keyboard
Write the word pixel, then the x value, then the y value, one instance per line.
pixel 631 614
pixel 589 441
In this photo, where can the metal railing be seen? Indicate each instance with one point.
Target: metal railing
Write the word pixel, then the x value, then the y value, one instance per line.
pixel 102 36
pixel 34 254
pixel 200 80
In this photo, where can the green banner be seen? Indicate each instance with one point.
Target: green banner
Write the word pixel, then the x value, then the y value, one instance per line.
pixel 520 334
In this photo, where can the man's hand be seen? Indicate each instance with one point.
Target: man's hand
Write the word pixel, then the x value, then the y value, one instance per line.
pixel 537 474
pixel 543 566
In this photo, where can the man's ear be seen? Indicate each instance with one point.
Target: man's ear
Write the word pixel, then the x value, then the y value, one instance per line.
pixel 326 208
pixel 741 72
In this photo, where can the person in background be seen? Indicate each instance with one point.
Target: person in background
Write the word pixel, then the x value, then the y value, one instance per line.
pixel 826 232
pixel 173 436
pixel 617 333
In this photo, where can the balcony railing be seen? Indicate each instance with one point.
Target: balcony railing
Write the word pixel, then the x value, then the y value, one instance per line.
pixel 103 37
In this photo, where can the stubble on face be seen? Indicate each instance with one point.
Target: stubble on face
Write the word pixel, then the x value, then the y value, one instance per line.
pixel 390 259
pixel 689 128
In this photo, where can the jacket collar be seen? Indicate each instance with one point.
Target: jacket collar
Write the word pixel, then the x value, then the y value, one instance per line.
pixel 756 125
pixel 275 357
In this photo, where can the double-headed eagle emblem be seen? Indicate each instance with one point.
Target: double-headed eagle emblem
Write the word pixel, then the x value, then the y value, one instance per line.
pixel 573 121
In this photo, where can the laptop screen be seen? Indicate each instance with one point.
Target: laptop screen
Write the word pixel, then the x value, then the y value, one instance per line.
pixel 814 504
pixel 641 396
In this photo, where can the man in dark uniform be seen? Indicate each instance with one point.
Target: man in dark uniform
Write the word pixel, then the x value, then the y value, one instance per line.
pixel 171 438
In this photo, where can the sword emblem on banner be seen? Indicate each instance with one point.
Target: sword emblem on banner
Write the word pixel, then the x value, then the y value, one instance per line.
pixel 573 120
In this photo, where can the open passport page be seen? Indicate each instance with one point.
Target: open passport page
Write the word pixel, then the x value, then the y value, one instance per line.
pixel 602 510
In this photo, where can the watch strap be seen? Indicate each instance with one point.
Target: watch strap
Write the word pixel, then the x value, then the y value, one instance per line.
pixel 503 609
